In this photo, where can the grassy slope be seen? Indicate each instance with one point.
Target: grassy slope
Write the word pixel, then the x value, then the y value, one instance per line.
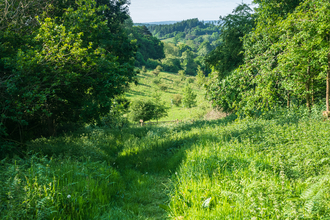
pixel 224 169
pixel 146 89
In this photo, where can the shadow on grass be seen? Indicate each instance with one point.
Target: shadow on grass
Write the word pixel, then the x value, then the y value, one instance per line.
pixel 135 93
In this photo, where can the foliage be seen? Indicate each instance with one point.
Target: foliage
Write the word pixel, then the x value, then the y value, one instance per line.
pixel 273 167
pixel 189 97
pixel 183 29
pixel 159 68
pixel 147 110
pixel 229 54
pixel 177 100
pixel 201 79
pixel 115 118
pixel 190 80
pixel 66 70
pixel 152 64
pixel 148 46
pixel 147 86
pixel 156 72
pixel 46 188
pixel 156 81
pixel 171 64
pixel 182 74
pixel 163 87
pixel 255 169
pixel 144 69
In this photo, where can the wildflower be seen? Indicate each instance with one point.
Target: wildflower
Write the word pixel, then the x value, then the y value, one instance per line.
pixel 69 196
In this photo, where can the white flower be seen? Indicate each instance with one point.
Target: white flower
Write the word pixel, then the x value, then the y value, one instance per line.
pixel 69 196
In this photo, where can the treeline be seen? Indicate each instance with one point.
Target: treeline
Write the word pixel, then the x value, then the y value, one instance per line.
pixel 276 57
pixel 191 28
pixel 149 47
pixel 60 64
pixel 192 41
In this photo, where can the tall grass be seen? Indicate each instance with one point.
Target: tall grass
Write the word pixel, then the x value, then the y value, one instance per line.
pixel 256 169
pixel 274 167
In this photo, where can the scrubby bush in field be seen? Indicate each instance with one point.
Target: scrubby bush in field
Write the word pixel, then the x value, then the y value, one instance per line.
pixel 147 110
pixel 189 97
pixel 190 80
pixel 144 69
pixel 163 87
pixel 177 82
pixel 177 100
pixel 156 81
pixel 182 74
pixel 159 68
pixel 156 72
pixel 201 79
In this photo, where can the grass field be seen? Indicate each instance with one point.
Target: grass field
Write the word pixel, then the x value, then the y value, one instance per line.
pixel 147 89
pixel 274 168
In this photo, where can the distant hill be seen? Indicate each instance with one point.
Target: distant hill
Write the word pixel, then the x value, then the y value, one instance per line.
pixel 172 22
pixel 161 22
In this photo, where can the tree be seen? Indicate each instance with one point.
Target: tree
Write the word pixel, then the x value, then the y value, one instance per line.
pixel 67 70
pixel 305 44
pixel 147 110
pixel 229 54
pixel 225 83
pixel 189 97
pixel 188 63
pixel 200 76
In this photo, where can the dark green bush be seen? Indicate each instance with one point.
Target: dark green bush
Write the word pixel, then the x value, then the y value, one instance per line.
pixel 177 100
pixel 163 87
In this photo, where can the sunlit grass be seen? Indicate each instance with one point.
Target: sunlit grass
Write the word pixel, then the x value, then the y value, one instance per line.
pixel 224 169
pixel 146 89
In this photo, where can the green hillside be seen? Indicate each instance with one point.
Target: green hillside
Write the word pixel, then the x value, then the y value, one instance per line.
pixel 167 85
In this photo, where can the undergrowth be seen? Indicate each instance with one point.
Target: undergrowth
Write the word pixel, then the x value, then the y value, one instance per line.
pixel 273 167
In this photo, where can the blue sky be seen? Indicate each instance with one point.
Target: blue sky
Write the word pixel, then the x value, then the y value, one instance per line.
pixel 178 10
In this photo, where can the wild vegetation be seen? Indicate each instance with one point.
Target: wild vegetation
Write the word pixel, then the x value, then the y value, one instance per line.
pixel 77 76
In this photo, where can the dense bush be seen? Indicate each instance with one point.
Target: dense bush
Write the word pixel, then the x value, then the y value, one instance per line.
pixel 147 110
pixel 58 71
pixel 152 64
pixel 177 100
pixel 190 80
pixel 189 97
pixel 163 87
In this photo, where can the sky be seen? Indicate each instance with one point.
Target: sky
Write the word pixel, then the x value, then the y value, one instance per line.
pixel 143 11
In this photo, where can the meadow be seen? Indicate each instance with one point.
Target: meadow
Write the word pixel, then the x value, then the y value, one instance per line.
pixel 274 167
pixel 163 88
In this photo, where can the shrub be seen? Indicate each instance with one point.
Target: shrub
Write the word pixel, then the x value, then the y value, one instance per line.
pixel 200 76
pixel 144 69
pixel 182 74
pixel 152 64
pixel 156 72
pixel 190 80
pixel 147 110
pixel 115 118
pixel 177 100
pixel 188 97
pixel 159 68
pixel 177 82
pixel 163 87
pixel 156 81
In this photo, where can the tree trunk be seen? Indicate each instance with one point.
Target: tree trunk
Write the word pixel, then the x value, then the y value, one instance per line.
pixel 308 104
pixel 328 85
pixel 313 96
pixel 288 102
